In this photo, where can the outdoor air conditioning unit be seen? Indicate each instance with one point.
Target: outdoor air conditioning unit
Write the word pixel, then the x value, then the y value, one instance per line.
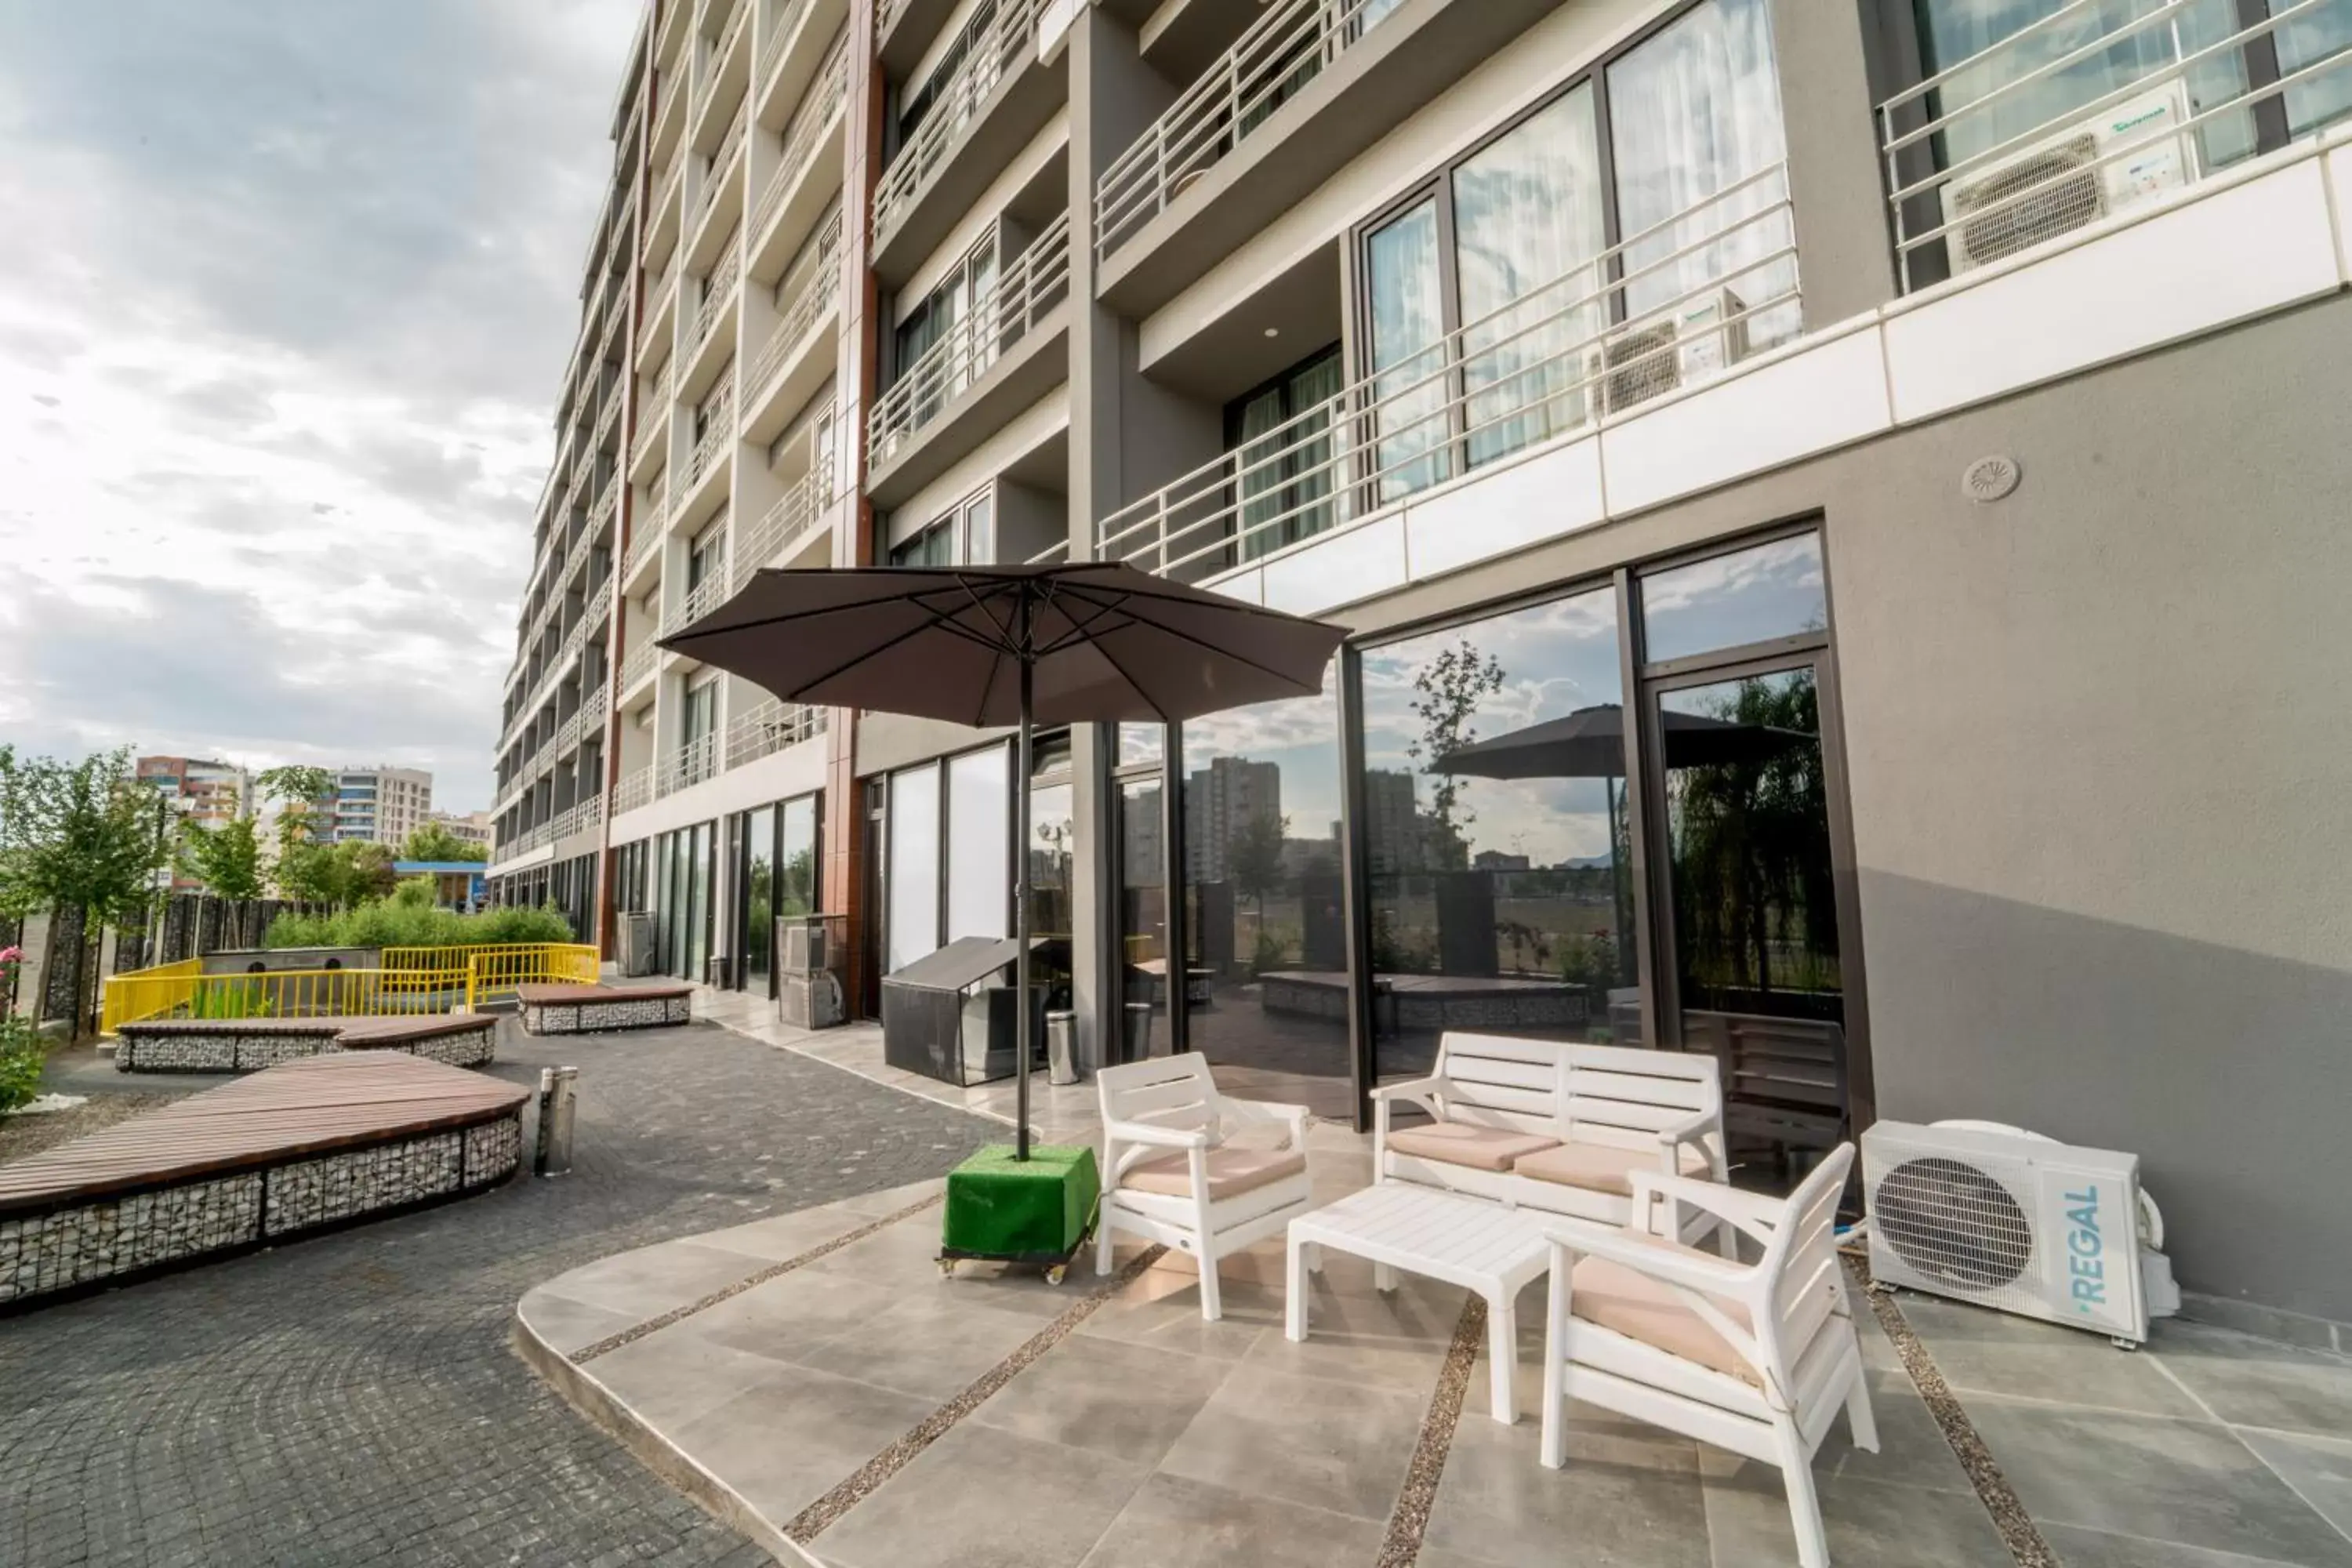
pixel 1669 350
pixel 2011 1220
pixel 637 956
pixel 2059 184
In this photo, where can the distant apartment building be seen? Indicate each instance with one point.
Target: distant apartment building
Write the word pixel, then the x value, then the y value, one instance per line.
pixel 1880 459
pixel 379 804
pixel 207 792
pixel 471 827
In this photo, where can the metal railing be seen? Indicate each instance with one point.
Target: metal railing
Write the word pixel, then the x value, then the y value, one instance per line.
pixel 409 981
pixel 801 140
pixel 1026 294
pixel 1670 306
pixel 640 662
pixel 608 502
pixel 718 290
pixel 735 25
pixel 2085 111
pixel 495 975
pixel 771 45
pixel 891 11
pixel 704 597
pixel 795 509
pixel 140 994
pixel 690 765
pixel 769 727
pixel 593 709
pixel 633 790
pixel 996 51
pixel 718 411
pixel 722 162
pixel 654 417
pixel 819 292
pixel 669 182
pixel 1053 555
pixel 1285 48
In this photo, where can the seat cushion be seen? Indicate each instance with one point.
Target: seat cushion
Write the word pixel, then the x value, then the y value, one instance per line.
pixel 1476 1148
pixel 1231 1172
pixel 1618 1299
pixel 1604 1167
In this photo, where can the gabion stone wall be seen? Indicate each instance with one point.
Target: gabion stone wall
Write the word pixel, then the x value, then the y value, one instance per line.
pixel 97 1240
pixel 195 1045
pixel 609 1012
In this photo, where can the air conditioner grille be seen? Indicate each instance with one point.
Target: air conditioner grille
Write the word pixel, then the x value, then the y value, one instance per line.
pixel 2030 200
pixel 1642 363
pixel 1953 1224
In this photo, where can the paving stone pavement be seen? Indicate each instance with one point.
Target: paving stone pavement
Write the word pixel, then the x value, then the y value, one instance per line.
pixel 353 1399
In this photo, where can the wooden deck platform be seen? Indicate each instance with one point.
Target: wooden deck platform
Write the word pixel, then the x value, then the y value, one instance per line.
pixel 242 1045
pixel 595 1009
pixel 295 1147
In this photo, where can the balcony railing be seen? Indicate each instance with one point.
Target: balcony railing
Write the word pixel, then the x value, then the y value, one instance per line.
pixel 2088 110
pixel 704 597
pixel 819 291
pixel 633 790
pixel 723 160
pixel 735 25
pixel 996 51
pixel 1285 48
pixel 795 510
pixel 647 538
pixel 1053 555
pixel 717 291
pixel 639 664
pixel 1026 294
pixel 801 137
pixel 769 727
pixel 1670 306
pixel 592 712
pixel 690 765
pixel 668 184
pixel 780 29
pixel 891 11
pixel 718 413
pixel 653 419
pixel 577 818
pixel 608 502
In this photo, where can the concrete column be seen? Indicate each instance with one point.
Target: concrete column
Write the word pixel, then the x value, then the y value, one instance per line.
pixel 1844 249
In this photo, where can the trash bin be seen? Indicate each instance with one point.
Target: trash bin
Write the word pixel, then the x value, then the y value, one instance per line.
pixel 1139 1030
pixel 1061 1046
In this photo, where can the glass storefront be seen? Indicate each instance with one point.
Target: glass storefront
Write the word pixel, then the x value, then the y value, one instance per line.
pixel 773 851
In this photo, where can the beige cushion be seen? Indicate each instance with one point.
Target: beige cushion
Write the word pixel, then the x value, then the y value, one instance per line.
pixel 1604 1167
pixel 1460 1144
pixel 1639 1308
pixel 1231 1172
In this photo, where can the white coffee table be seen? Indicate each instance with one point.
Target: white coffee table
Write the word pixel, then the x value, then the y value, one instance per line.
pixel 1478 1245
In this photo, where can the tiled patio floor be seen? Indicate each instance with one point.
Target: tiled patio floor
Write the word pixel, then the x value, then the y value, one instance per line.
pixel 1143 1436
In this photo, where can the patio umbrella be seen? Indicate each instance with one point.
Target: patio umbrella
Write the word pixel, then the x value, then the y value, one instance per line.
pixel 1089 643
pixel 1589 743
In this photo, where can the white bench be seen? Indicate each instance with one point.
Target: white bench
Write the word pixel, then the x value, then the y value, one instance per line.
pixel 1481 1247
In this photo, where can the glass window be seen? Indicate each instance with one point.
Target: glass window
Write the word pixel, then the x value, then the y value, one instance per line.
pixel 1139 743
pixel 914 895
pixel 1282 433
pixel 698 903
pixel 1142 922
pixel 1052 848
pixel 1496 832
pixel 1266 957
pixel 979 868
pixel 796 857
pixel 1768 591
pixel 759 901
pixel 2303 42
pixel 1407 326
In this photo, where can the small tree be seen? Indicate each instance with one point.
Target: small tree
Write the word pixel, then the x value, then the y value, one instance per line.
pixel 1254 859
pixel 303 869
pixel 434 841
pixel 226 859
pixel 1447 692
pixel 82 836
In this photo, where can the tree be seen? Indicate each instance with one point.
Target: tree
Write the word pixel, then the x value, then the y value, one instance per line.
pixel 304 869
pixel 79 835
pixel 1254 857
pixel 226 859
pixel 434 841
pixel 1448 689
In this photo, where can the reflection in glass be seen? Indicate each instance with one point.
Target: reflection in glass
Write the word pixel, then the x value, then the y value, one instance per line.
pixel 1495 833
pixel 1137 743
pixel 698 907
pixel 1142 922
pixel 1408 351
pixel 796 851
pixel 2322 33
pixel 914 856
pixel 1266 958
pixel 758 831
pixel 1772 590
pixel 1052 848
pixel 1527 219
pixel 979 813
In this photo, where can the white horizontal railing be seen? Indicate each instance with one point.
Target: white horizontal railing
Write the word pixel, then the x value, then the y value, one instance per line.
pixel 668 184
pixel 801 137
pixel 1287 47
pixel 633 790
pixel 690 765
pixel 794 511
pixel 735 25
pixel 702 598
pixel 649 529
pixel 592 712
pixel 818 290
pixel 718 411
pixel 779 30
pixel 608 502
pixel 640 662
pixel 653 419
pixel 769 727
pixel 891 11
pixel 996 51
pixel 722 162
pixel 717 291
pixel 2084 112
pixel 1670 306
pixel 1053 555
pixel 1026 292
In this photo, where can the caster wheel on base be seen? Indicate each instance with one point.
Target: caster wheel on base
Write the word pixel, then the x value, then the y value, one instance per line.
pixel 1054 1275
pixel 947 1268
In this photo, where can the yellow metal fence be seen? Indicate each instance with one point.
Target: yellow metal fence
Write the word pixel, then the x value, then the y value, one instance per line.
pixel 410 980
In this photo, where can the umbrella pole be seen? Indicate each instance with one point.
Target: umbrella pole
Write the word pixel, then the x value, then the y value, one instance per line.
pixel 1021 907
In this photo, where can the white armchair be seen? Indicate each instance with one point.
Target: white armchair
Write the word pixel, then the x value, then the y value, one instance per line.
pixel 1169 1176
pixel 1756 1358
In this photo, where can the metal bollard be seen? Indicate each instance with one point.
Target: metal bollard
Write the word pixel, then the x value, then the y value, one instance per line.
pixel 558 1087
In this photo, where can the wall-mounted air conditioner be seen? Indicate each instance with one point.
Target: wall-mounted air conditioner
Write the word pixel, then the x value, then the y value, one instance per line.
pixel 2013 1221
pixel 1664 352
pixel 2059 183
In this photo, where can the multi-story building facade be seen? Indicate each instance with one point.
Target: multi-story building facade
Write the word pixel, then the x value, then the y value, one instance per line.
pixel 210 793
pixel 1842 491
pixel 378 805
pixel 467 828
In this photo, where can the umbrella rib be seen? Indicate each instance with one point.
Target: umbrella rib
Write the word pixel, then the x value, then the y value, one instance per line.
pixel 1226 652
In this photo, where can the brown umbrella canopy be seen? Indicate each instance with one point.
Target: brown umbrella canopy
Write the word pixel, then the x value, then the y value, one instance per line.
pixel 1105 643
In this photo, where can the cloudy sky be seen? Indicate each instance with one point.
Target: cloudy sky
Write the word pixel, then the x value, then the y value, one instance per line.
pixel 286 289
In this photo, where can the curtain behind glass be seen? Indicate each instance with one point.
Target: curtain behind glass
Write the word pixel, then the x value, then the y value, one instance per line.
pixel 1408 351
pixel 1526 221
pixel 914 862
pixel 1261 471
pixel 1694 111
pixel 979 860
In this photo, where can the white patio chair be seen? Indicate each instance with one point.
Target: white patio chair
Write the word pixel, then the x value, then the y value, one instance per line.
pixel 1169 1176
pixel 1756 1358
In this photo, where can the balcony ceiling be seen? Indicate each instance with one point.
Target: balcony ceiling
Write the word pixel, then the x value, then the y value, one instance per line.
pixel 1227 356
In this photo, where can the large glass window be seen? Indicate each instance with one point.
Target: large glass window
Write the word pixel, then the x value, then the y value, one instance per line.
pixel 2304 42
pixel 980 817
pixel 1283 433
pixel 1496 832
pixel 1752 595
pixel 1144 963
pixel 1405 317
pixel 796 857
pixel 914 892
pixel 1265 958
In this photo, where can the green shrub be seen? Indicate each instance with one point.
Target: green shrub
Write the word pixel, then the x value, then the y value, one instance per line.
pixel 416 893
pixel 20 1065
pixel 390 923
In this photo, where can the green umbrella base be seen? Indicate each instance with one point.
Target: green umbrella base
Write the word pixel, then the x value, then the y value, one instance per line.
pixel 1006 1210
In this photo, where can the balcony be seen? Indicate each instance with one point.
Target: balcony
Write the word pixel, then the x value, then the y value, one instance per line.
pixel 727 74
pixel 711 338
pixel 792 49
pixel 796 359
pixel 1665 310
pixel 797 511
pixel 704 597
pixel 805 181
pixel 998 99
pixel 719 205
pixel 1315 81
pixel 633 790
pixel 646 537
pixel 653 423
pixel 640 663
pixel 769 727
pixel 662 220
pixel 718 415
pixel 690 765
pixel 994 363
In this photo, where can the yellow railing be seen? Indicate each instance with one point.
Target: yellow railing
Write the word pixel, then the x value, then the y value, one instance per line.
pixel 493 973
pixel 305 993
pixel 147 993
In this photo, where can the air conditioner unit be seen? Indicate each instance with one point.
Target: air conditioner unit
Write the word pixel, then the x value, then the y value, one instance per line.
pixel 1699 337
pixel 2013 1221
pixel 2059 183
pixel 637 956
